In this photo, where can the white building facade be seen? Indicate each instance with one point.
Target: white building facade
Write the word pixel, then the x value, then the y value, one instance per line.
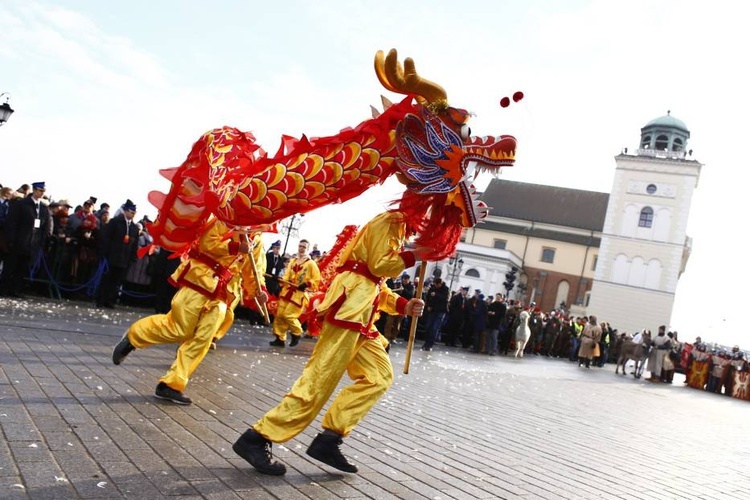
pixel 644 245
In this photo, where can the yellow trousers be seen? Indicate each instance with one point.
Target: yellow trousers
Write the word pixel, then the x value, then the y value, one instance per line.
pixel 193 321
pixel 337 351
pixel 287 319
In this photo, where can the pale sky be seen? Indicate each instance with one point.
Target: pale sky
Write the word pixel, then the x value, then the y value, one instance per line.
pixel 108 93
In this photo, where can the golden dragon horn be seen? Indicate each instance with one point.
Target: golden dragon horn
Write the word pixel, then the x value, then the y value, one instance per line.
pixel 405 80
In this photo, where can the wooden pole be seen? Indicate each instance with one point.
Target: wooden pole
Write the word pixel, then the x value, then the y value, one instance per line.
pixel 262 307
pixel 414 319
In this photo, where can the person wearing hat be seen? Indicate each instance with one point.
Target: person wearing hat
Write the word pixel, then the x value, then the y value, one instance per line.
pixel 85 212
pixel 27 229
pixel 63 207
pixel 118 243
pixel 122 207
pixel 274 267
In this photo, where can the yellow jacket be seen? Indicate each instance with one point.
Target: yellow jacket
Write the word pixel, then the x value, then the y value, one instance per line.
pixel 298 272
pixel 359 290
pixel 216 269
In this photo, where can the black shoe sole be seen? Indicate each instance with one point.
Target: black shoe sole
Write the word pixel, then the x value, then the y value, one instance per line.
pixel 351 469
pixel 169 394
pixel 173 400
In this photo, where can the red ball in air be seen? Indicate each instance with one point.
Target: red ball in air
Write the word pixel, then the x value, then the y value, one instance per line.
pixel 517 96
pixel 504 102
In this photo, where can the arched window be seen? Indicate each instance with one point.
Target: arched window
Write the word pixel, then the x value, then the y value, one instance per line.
pixel 677 144
pixel 472 273
pixel 646 142
pixel 662 142
pixel 647 217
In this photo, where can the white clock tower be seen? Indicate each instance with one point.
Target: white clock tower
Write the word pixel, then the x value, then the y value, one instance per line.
pixel 644 247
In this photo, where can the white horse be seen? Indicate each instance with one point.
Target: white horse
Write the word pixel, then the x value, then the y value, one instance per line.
pixel 522 333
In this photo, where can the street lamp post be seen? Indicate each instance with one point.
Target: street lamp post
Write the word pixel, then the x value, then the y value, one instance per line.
pixel 5 109
pixel 292 226
pixel 456 263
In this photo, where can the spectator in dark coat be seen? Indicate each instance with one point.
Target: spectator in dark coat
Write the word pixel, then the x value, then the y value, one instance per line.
pixel 274 267
pixel 27 229
pixel 6 195
pixel 118 245
pixel 495 317
pixel 456 317
pixel 480 323
pixel 467 337
pixel 436 305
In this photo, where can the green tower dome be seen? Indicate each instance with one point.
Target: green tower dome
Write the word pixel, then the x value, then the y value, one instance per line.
pixel 665 134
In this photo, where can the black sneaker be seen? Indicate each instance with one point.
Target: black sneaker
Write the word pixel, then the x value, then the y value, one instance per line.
pixel 122 349
pixel 163 391
pixel 326 449
pixel 277 342
pixel 257 451
pixel 294 341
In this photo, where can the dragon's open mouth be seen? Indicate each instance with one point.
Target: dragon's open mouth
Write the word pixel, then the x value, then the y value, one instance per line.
pixel 491 151
pixel 482 155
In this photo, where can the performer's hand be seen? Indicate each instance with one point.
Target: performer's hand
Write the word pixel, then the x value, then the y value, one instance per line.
pixel 414 307
pixel 244 247
pixel 301 287
pixel 261 296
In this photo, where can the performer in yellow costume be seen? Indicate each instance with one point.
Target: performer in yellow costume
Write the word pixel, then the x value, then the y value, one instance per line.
pixel 302 274
pixel 348 343
pixel 213 279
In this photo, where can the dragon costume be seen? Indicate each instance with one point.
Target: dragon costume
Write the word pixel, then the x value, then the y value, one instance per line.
pixel 421 139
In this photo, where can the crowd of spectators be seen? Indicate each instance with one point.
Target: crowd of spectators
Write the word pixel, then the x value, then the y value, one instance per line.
pixel 68 249
pixel 487 325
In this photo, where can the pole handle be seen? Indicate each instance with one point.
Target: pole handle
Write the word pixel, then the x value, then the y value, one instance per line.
pixel 414 319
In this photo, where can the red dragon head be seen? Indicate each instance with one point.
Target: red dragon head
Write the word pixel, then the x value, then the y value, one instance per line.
pixel 437 154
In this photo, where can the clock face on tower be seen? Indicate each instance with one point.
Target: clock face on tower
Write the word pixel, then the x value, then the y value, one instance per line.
pixel 651 188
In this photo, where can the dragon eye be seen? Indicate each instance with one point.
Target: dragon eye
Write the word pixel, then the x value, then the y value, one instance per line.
pixel 465 131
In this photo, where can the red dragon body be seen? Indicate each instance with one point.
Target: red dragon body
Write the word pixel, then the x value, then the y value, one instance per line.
pixel 421 139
